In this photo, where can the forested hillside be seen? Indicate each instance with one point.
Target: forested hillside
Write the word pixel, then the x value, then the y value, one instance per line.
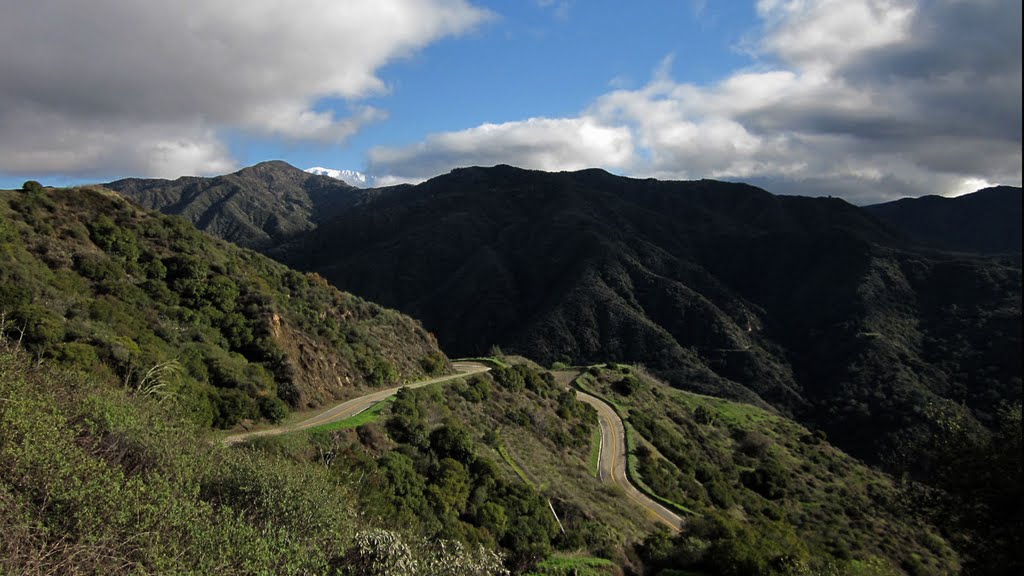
pixel 808 305
pixel 91 281
pixel 987 221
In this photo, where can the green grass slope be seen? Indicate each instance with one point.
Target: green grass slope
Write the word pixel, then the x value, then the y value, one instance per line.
pixel 146 300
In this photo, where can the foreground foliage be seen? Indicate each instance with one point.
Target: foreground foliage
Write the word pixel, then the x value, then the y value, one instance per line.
pixel 95 480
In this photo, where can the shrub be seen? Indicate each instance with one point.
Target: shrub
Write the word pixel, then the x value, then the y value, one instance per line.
pixel 43 328
pixel 452 442
pixel 272 408
pixel 32 186
pixel 434 363
pixel 628 385
pixel 233 406
pixel 113 239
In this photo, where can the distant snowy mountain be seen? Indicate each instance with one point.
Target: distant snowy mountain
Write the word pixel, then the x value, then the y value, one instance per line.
pixel 350 177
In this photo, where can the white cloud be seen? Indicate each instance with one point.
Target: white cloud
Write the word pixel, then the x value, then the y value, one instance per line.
pixel 537 143
pixel 866 99
pixel 85 81
pixel 826 33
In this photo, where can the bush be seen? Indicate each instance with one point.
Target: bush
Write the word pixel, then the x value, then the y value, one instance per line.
pixel 43 328
pixel 434 363
pixel 233 406
pixel 628 386
pixel 113 239
pixel 452 442
pixel 32 186
pixel 272 408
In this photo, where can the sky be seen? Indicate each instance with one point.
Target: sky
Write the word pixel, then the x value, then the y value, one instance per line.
pixel 869 100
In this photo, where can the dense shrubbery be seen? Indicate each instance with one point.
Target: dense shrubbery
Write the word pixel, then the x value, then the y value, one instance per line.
pixel 95 283
pixel 94 481
pixel 432 465
pixel 438 480
pixel 976 495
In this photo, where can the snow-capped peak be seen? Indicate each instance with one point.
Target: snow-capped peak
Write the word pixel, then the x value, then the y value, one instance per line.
pixel 350 177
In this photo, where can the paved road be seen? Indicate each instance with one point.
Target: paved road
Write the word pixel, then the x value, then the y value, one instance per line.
pixel 356 405
pixel 612 461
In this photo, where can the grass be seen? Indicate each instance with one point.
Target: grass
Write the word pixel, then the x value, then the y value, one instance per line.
pixel 565 565
pixel 503 450
pixel 595 452
pixel 489 360
pixel 364 417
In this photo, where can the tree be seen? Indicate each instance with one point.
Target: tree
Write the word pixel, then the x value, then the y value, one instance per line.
pixel 272 408
pixel 32 186
pixel 452 442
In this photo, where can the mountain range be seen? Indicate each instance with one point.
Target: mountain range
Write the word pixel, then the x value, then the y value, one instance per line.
pixel 745 344
pixel 841 316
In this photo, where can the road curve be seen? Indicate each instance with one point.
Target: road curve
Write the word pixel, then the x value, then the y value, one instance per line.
pixel 354 406
pixel 612 461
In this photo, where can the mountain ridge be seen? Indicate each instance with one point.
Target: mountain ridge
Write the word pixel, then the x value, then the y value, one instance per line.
pixel 255 207
pixel 985 221
pixel 720 288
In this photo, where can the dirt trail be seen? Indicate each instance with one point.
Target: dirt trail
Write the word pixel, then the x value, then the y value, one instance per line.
pixel 352 407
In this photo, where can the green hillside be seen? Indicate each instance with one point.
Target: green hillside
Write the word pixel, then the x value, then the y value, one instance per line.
pixel 146 300
pixel 762 488
pixel 96 479
pixel 475 461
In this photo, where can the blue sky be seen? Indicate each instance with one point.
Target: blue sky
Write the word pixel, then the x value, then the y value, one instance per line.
pixel 865 99
pixel 533 59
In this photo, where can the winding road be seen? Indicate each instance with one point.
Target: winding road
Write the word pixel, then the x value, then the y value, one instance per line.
pixel 611 463
pixel 354 406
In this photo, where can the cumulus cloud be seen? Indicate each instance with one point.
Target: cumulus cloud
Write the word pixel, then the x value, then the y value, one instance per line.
pixel 537 143
pixel 145 86
pixel 865 99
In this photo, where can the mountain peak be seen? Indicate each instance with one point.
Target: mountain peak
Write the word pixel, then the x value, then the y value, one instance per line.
pixel 350 177
pixel 269 165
